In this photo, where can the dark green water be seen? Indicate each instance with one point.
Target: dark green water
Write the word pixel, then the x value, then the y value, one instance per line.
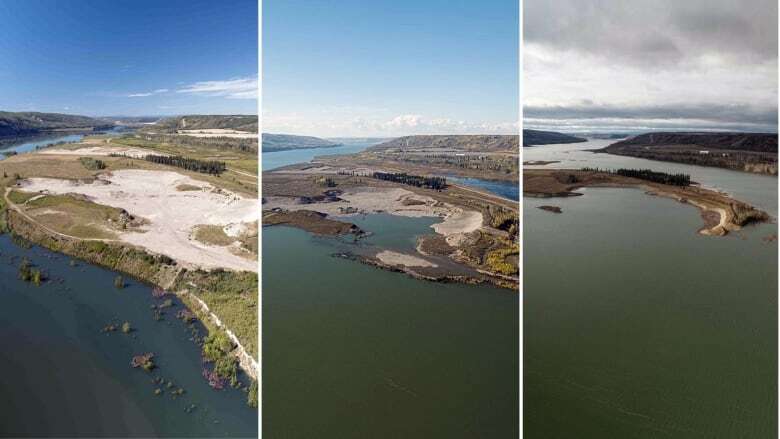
pixel 351 351
pixel 635 326
pixel 60 376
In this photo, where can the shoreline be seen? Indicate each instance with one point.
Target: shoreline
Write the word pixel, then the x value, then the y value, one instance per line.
pixel 164 276
pixel 733 214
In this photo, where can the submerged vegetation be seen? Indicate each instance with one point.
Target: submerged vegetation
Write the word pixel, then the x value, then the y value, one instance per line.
pixel 143 361
pixel 28 273
pixel 217 349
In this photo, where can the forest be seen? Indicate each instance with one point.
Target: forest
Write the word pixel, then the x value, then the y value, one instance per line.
pixel 205 167
pixel 437 183
pixel 649 175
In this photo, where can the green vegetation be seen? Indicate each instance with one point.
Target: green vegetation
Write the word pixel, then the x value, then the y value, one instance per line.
pixel 212 235
pixel 503 219
pixel 285 142
pixel 227 367
pixel 29 123
pixel 498 262
pixel 246 123
pixel 92 164
pixel 233 296
pixel 212 167
pixel 437 183
pixel 649 175
pixel 20 197
pixel 251 398
pixel 143 361
pixel 216 346
pixel 28 273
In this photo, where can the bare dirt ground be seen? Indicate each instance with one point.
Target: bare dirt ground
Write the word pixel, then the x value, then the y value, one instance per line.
pixel 171 214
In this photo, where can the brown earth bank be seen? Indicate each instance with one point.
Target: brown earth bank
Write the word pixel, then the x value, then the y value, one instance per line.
pixel 476 238
pixel 731 214
pixel 748 152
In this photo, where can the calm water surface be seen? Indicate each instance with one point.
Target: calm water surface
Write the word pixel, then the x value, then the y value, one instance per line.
pixel 351 351
pixel 273 160
pixel 32 143
pixel 61 376
pixel 635 325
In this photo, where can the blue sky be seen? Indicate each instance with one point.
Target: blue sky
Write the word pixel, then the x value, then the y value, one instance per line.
pixel 390 67
pixel 129 57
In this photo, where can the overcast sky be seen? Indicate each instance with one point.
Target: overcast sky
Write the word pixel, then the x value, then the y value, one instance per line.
pixel 611 65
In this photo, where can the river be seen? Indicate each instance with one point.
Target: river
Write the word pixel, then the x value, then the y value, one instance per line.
pixel 273 160
pixel 352 351
pixel 29 144
pixel 635 325
pixel 60 375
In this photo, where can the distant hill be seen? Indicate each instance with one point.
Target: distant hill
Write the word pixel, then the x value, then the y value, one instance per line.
pixel 31 123
pixel 284 142
pixel 478 143
pixel 758 142
pixel 749 152
pixel 536 138
pixel 206 122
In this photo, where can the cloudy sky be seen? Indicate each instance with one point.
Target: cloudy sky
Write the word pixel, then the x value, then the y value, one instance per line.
pixel 390 67
pixel 615 66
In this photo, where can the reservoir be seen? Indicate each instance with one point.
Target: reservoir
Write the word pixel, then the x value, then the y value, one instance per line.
pixel 352 351
pixel 635 325
pixel 273 160
pixel 61 375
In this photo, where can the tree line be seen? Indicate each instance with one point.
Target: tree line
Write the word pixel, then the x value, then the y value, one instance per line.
pixel 212 167
pixel 649 175
pixel 437 183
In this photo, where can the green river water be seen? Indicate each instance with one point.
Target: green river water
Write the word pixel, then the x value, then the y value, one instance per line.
pixel 635 326
pixel 351 351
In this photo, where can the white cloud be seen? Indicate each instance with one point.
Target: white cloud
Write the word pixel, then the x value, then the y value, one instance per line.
pixel 400 125
pixel 145 94
pixel 238 88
